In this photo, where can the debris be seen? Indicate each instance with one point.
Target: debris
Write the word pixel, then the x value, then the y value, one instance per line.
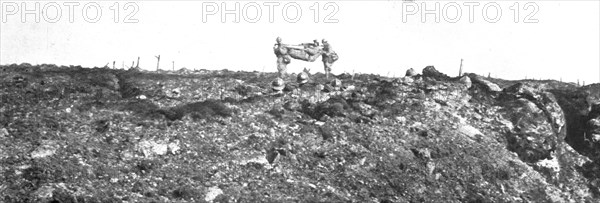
pixel 212 193
pixel 490 86
pixel 431 72
pixel 3 133
pixel 411 72
pixel 47 148
pixel 466 81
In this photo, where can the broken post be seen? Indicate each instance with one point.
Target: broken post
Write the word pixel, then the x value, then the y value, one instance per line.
pixel 173 65
pixel 132 63
pixel 157 62
pixel 114 64
pixel 460 68
pixel 138 63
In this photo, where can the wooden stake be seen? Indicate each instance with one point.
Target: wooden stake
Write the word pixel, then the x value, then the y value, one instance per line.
pixel 157 62
pixel 138 63
pixel 114 64
pixel 460 68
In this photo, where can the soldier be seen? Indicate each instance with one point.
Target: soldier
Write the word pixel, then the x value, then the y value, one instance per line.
pixel 283 58
pixel 329 56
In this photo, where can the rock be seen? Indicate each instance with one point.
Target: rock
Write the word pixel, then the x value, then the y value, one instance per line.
pixel 422 153
pixel 271 155
pixel 541 99
pixel 3 133
pixel 212 193
pixel 407 80
pixel 537 121
pixel 319 87
pixel 551 166
pixel 151 148
pixel 336 83
pixel 292 106
pixel 44 193
pixel 489 86
pixel 18 81
pixel 102 125
pixel 327 132
pixel 107 80
pixel 431 72
pixel 174 93
pixel 328 88
pixel 47 148
pixel 594 110
pixel 290 87
pixel 184 71
pixel 365 109
pixel 411 72
pixel 466 81
pixel 135 69
pixel 430 167
pixel 350 88
pixel 532 137
pixel 401 119
pixel 247 90
pixel 141 97
pixel 174 147
pixel 469 131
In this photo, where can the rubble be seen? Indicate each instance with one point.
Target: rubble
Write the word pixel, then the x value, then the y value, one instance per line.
pixel 224 138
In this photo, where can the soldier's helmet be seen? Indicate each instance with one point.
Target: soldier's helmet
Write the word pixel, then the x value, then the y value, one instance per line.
pixel 302 78
pixel 278 39
pixel 278 84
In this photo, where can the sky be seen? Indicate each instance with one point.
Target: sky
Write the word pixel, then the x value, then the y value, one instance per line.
pixel 507 39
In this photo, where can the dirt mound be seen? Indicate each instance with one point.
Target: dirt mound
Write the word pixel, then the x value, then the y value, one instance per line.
pixel 102 135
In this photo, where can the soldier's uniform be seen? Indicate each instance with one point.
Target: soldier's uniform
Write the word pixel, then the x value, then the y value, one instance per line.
pixel 283 58
pixel 329 57
pixel 310 52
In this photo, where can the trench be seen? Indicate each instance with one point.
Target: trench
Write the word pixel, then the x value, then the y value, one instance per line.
pixel 574 107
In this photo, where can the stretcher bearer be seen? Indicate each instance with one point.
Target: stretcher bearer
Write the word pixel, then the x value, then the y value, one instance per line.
pixel 329 57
